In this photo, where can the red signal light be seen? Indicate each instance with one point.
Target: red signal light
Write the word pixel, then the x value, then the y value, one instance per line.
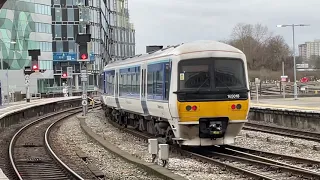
pixel 233 106
pixel 35 67
pixel 64 75
pixel 83 56
pixel 194 108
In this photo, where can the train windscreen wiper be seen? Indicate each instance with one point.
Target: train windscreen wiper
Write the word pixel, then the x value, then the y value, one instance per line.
pixel 198 90
pixel 229 90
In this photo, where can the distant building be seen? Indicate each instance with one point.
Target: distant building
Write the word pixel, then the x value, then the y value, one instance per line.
pixel 303 51
pixel 25 25
pixel 313 48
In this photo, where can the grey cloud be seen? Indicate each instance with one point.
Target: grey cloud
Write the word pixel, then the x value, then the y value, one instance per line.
pixel 168 22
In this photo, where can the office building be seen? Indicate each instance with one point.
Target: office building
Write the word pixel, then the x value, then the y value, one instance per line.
pixel 24 25
pixel 303 51
pixel 112 36
pixel 309 49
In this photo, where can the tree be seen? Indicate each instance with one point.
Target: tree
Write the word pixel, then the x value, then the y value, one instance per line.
pixel 315 61
pixel 261 48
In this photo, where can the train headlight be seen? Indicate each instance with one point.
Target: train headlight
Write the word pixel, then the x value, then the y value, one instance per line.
pixel 194 108
pixel 238 106
pixel 188 108
pixel 233 106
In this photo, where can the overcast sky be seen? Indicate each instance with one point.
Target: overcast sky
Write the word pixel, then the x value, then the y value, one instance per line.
pixel 170 22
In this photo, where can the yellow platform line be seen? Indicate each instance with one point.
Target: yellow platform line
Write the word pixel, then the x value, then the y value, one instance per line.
pixel 286 107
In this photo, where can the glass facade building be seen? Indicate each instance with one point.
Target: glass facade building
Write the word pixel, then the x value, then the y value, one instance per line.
pixel 24 25
pixel 112 35
pixel 52 26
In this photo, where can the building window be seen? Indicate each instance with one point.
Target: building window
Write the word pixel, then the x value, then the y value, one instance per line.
pixel 59 46
pixel 58 14
pixel 56 2
pixel 70 31
pixel 70 14
pixel 57 29
pixel 70 2
pixel 71 45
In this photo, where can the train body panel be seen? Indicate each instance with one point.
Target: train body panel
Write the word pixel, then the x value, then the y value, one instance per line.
pixel 195 94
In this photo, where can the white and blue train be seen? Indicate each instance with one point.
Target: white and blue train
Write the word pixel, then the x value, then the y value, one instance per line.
pixel 193 94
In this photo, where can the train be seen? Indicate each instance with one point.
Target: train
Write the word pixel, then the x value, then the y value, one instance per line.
pixel 191 94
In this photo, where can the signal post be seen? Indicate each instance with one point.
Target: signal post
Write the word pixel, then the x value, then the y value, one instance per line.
pixel 83 58
pixel 34 53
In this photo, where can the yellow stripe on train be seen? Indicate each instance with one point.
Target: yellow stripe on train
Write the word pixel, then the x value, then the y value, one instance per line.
pixel 193 111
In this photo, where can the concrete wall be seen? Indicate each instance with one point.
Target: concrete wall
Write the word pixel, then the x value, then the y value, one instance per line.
pixel 286 118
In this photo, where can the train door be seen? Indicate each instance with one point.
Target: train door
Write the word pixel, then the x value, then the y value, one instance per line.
pixel 116 86
pixel 116 94
pixel 144 89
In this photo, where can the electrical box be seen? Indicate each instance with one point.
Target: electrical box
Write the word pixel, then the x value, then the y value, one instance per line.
pixel 153 146
pixel 164 151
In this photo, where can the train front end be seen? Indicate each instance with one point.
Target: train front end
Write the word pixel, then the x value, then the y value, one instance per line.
pixel 212 99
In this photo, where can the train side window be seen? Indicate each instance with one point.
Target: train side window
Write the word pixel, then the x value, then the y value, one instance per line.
pixel 121 85
pixel 111 83
pixel 138 82
pixel 150 84
pixel 106 85
pixel 158 85
pixel 134 83
pixel 142 82
pixel 129 89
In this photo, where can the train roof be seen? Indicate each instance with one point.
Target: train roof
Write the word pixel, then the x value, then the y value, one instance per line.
pixel 195 46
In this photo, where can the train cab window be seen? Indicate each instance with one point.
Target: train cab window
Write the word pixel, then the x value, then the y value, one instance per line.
pixel 194 76
pixel 211 79
pixel 229 73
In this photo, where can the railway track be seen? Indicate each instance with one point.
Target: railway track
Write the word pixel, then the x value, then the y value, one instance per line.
pixel 253 163
pixel 256 166
pixel 31 155
pixel 307 135
pixel 281 159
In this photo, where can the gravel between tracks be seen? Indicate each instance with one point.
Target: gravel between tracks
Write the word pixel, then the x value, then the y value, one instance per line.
pixel 186 167
pixel 70 137
pixel 278 144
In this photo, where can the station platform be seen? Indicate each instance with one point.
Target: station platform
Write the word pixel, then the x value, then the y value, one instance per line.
pixel 3 176
pixel 303 104
pixel 18 106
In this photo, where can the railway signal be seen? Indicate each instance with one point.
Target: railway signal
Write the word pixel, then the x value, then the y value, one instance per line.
pixel 28 70
pixel 82 40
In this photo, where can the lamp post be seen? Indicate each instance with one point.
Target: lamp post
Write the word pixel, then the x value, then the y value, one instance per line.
pixel 295 93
